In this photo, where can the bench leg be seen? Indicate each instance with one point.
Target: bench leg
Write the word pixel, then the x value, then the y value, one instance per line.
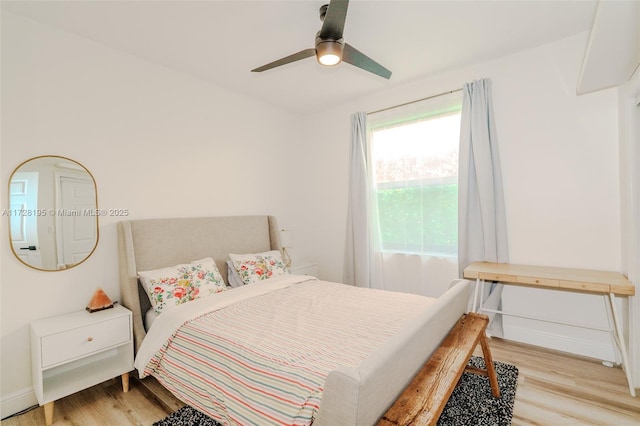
pixel 488 361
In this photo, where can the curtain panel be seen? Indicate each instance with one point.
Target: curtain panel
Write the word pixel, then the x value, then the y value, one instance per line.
pixel 357 264
pixel 482 229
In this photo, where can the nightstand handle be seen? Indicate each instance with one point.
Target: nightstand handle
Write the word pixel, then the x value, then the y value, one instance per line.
pixel 89 339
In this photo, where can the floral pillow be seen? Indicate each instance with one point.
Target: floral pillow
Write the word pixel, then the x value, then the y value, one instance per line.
pixel 174 285
pixel 259 266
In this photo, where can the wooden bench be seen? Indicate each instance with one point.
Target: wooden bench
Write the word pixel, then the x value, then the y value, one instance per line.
pixel 423 400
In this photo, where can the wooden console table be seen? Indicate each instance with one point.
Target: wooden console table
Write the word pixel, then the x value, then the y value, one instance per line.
pixel 607 284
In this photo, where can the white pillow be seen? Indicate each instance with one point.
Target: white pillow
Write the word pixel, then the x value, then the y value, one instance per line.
pixel 149 317
pixel 232 275
pixel 174 285
pixel 258 266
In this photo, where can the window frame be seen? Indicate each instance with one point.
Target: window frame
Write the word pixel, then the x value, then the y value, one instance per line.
pixel 399 120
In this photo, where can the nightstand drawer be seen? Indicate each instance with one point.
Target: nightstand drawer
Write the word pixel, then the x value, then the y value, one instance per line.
pixel 75 343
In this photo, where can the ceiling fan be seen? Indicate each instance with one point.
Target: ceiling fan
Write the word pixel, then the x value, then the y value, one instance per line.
pixel 330 46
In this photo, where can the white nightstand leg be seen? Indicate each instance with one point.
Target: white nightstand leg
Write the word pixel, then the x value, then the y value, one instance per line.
pixel 48 413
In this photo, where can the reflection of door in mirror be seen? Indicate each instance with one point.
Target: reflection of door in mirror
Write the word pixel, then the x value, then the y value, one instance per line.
pixel 53 220
pixel 76 234
pixel 23 197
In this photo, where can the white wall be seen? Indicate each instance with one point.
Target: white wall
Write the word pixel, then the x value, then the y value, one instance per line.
pixel 559 156
pixel 158 143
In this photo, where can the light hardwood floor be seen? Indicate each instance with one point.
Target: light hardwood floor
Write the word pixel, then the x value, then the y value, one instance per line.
pixel 553 389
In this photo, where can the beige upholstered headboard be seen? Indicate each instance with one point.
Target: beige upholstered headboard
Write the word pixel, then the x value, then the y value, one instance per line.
pixel 148 244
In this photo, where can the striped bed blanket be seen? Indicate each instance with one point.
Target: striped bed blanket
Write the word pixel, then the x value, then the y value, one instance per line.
pixel 261 357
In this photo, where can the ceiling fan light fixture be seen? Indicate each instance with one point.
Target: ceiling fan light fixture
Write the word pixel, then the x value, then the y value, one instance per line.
pixel 329 59
pixel 329 52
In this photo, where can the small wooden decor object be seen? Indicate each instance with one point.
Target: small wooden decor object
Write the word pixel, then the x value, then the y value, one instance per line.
pixel 99 301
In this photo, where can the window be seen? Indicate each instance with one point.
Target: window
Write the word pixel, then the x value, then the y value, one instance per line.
pixel 415 174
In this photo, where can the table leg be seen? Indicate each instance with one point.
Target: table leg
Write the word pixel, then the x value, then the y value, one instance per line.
pixel 621 343
pixel 48 413
pixel 475 296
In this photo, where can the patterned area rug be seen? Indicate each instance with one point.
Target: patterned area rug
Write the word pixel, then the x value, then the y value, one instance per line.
pixel 471 402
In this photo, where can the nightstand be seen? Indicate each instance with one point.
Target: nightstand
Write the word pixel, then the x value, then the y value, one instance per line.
pixel 75 351
pixel 304 268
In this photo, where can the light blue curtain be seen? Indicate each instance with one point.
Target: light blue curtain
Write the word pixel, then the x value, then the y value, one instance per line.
pixel 482 228
pixel 357 262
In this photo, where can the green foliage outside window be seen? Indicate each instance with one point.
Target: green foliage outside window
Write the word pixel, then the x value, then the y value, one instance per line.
pixel 421 219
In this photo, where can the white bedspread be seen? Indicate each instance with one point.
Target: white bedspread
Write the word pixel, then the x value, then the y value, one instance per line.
pixel 167 323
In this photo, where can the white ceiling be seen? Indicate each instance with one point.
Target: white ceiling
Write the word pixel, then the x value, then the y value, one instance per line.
pixel 221 41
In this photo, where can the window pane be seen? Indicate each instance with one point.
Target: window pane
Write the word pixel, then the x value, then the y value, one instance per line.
pixel 416 176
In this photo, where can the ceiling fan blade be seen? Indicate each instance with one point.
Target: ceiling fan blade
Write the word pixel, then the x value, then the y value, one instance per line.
pixel 353 56
pixel 333 25
pixel 303 54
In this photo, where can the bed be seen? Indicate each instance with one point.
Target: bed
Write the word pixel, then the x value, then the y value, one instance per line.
pixel 355 388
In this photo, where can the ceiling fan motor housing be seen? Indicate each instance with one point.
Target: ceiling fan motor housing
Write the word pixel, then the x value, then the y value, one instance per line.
pixel 329 52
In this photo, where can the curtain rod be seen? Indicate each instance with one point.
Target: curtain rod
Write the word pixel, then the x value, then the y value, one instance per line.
pixel 417 100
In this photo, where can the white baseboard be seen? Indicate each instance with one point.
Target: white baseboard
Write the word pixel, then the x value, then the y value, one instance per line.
pixel 17 401
pixel 590 348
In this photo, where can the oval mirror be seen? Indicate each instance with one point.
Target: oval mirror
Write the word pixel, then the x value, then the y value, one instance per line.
pixel 53 213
